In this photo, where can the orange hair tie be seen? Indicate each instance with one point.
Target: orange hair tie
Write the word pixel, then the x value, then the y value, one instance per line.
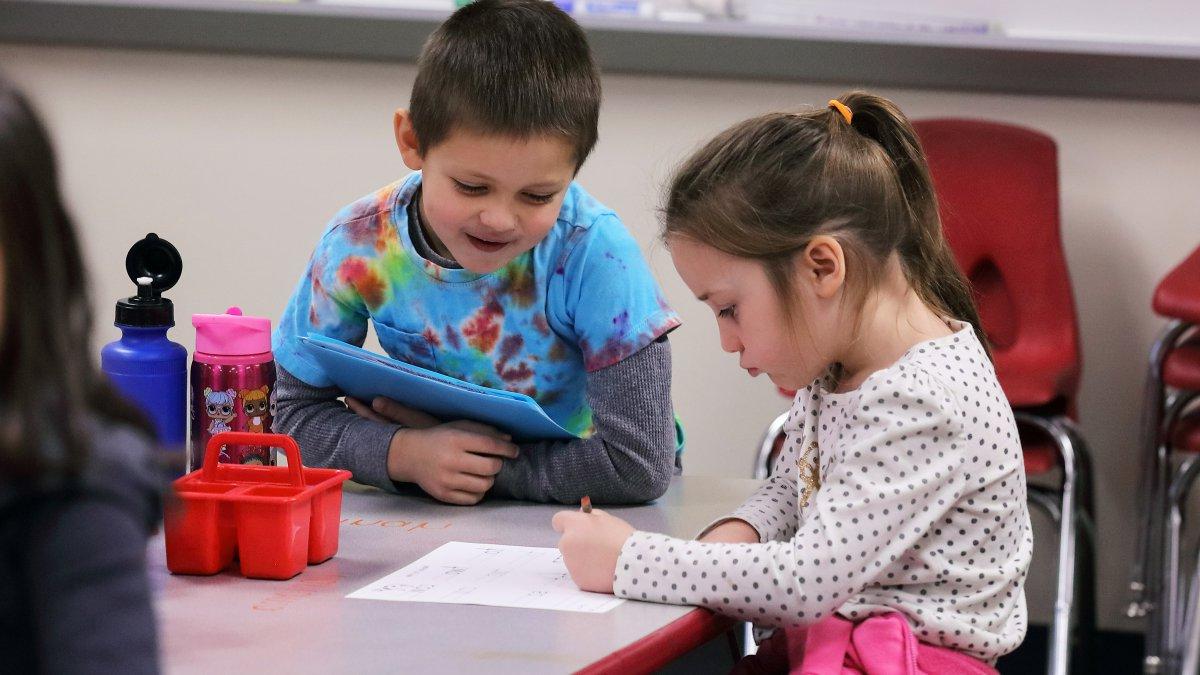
pixel 841 107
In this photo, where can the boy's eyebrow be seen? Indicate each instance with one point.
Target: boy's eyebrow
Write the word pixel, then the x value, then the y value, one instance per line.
pixel 548 185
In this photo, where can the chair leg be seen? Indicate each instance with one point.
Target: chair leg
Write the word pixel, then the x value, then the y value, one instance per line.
pixel 1153 559
pixel 1171 614
pixel 1150 486
pixel 1191 650
pixel 1061 431
pixel 749 646
pixel 1162 565
pixel 1084 656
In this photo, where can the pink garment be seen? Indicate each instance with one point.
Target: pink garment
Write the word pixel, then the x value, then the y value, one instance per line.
pixel 880 645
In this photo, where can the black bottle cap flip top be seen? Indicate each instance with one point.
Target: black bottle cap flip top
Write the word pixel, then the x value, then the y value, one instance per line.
pixel 155 266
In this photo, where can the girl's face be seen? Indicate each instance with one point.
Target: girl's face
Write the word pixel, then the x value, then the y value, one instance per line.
pixel 751 318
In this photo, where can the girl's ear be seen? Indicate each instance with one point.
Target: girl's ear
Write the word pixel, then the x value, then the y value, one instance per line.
pixel 822 264
pixel 406 140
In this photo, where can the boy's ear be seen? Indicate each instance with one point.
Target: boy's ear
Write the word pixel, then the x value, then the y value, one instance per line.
pixel 406 139
pixel 822 264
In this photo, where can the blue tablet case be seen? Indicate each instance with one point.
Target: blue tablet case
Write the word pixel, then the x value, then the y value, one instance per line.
pixel 365 375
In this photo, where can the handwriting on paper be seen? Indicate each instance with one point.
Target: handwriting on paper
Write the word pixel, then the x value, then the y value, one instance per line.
pixel 488 574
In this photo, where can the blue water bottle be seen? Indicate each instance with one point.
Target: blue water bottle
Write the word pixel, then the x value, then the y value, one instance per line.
pixel 146 367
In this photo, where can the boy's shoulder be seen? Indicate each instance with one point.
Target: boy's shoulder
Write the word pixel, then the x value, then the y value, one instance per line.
pixel 585 224
pixel 580 209
pixel 587 232
pixel 367 226
pixel 374 207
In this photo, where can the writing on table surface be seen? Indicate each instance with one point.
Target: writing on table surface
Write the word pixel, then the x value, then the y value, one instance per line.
pixel 400 524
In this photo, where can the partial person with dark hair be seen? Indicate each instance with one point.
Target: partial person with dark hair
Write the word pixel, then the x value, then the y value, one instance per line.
pixel 79 483
pixel 895 515
pixel 491 265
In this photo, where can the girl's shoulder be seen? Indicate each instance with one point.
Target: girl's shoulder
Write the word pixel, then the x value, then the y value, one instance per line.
pixel 924 387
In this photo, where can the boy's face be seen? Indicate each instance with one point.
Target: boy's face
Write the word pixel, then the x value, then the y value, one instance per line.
pixel 487 198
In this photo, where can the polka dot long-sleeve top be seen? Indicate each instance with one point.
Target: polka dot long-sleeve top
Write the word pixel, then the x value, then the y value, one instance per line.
pixel 906 494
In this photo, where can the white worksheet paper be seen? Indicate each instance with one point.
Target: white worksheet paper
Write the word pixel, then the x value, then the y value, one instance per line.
pixel 488 574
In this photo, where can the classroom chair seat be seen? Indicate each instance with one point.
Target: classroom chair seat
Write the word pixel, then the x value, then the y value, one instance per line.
pixel 1178 294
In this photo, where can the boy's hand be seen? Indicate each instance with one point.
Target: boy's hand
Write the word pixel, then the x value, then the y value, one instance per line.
pixel 590 546
pixel 455 462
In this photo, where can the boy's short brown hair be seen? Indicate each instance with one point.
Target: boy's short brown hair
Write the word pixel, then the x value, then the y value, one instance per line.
pixel 509 67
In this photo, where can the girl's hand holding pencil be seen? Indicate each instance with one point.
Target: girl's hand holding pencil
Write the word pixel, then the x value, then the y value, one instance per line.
pixel 590 545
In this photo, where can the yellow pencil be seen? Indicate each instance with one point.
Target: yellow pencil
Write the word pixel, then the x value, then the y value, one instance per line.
pixel 585 504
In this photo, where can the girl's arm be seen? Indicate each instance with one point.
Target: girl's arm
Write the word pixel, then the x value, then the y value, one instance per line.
pixel 770 512
pixel 868 514
pixel 630 458
pixel 730 531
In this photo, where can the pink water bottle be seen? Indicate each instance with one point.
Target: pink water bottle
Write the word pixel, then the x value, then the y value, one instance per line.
pixel 233 384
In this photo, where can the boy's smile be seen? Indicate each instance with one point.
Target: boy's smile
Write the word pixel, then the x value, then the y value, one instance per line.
pixel 485 199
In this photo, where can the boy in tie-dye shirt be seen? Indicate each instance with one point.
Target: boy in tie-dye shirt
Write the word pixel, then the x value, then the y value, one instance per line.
pixel 491 265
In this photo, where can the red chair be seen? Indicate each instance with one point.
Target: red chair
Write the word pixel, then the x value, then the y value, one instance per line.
pixel 1171 463
pixel 997 187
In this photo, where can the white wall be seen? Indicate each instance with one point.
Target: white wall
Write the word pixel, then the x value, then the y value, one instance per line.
pixel 240 160
pixel 1149 21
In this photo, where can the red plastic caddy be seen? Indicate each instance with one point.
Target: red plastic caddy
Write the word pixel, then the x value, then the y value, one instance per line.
pixel 275 519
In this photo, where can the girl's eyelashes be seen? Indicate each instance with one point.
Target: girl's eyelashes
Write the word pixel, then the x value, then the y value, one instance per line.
pixel 729 312
pixel 467 188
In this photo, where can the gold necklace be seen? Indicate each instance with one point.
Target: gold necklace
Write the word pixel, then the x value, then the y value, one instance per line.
pixel 810 474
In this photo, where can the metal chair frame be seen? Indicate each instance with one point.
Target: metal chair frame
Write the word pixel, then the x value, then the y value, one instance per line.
pixel 1155 584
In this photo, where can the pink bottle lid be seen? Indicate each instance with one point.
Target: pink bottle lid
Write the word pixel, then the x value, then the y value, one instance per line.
pixel 231 334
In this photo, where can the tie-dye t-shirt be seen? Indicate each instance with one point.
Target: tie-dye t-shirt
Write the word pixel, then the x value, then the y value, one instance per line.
pixel 581 300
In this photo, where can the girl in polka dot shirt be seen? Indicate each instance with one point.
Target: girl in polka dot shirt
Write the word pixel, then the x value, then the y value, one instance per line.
pixel 900 489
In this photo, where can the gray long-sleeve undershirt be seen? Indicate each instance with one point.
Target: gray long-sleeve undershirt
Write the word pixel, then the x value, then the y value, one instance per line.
pixel 629 459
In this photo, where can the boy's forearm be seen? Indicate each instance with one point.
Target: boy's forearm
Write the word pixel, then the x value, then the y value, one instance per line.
pixel 630 458
pixel 329 434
